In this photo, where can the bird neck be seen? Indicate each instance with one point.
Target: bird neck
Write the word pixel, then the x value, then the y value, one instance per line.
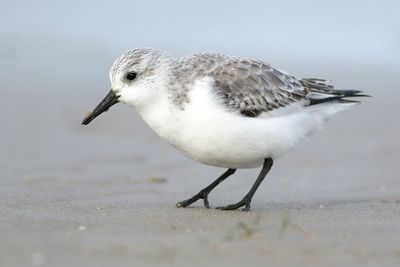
pixel 162 116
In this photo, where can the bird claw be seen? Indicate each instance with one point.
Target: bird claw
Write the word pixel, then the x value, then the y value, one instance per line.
pixel 206 203
pixel 189 201
pixel 244 202
pixel 181 204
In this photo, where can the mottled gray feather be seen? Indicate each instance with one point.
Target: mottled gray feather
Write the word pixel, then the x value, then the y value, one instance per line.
pixel 254 87
pixel 249 86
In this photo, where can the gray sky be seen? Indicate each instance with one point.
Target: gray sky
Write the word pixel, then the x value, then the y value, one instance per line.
pixel 63 38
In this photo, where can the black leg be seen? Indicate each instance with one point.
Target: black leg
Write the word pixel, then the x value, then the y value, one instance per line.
pixel 203 194
pixel 247 198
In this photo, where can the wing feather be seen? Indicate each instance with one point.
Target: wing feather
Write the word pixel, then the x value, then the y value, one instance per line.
pixel 254 87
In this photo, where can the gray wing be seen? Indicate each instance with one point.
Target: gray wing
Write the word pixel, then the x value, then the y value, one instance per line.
pixel 253 87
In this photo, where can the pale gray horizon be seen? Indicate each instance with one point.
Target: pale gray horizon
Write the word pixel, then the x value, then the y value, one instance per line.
pixel 47 40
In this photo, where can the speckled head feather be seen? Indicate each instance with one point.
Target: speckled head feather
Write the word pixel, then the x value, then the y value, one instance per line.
pixel 147 58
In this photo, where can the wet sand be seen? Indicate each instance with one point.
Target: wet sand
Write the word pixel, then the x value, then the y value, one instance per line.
pixel 105 194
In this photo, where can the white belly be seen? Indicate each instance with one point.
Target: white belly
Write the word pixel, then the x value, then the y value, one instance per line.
pixel 231 140
pixel 208 132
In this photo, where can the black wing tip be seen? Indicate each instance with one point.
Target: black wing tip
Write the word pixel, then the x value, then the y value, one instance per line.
pixel 337 99
pixel 363 95
pixel 352 93
pixel 322 86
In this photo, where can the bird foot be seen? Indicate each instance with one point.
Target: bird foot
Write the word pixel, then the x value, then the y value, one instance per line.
pixel 244 202
pixel 201 195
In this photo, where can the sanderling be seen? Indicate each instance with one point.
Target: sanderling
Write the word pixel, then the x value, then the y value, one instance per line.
pixel 223 111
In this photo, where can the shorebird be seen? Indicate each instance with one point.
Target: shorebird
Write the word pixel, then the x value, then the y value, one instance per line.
pixel 229 112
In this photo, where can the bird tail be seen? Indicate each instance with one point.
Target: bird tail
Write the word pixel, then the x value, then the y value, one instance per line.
pixel 322 91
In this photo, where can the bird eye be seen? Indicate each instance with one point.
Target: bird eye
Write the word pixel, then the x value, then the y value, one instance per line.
pixel 131 76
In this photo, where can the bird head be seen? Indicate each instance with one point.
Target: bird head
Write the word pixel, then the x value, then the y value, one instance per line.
pixel 137 78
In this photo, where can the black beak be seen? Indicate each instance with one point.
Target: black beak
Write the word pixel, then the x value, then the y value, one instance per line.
pixel 110 99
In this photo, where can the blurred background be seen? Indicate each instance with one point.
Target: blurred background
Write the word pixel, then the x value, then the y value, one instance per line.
pixel 54 63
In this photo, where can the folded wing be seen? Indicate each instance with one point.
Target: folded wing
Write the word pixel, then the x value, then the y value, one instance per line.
pixel 253 87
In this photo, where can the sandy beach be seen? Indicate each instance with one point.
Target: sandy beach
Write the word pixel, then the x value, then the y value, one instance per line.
pixel 105 194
